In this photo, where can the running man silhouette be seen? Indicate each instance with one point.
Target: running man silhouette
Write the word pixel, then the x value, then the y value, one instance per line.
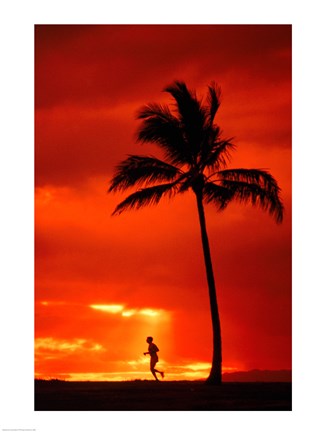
pixel 152 350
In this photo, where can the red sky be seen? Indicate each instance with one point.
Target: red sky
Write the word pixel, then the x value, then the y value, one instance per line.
pixel 89 83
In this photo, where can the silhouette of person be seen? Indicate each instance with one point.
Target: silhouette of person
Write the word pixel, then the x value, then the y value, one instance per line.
pixel 152 350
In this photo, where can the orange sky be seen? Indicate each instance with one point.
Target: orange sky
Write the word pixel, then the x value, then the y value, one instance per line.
pixel 146 267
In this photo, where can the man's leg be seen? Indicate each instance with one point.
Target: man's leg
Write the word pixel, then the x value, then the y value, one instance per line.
pixel 153 363
pixel 161 373
pixel 155 370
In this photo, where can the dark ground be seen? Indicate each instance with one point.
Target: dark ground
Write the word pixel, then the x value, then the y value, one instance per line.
pixel 161 396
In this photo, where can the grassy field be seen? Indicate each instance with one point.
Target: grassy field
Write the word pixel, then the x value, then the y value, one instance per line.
pixel 161 396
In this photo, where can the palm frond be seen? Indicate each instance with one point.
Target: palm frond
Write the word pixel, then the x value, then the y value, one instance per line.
pixel 156 109
pixel 213 100
pixel 188 180
pixel 159 126
pixel 258 176
pixel 192 114
pixel 218 154
pixel 186 100
pixel 255 186
pixel 217 194
pixel 145 197
pixel 137 170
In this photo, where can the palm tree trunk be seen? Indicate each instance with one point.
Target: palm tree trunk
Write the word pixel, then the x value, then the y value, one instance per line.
pixel 215 376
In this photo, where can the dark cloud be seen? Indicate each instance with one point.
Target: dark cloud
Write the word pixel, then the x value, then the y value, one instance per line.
pixel 91 80
pixel 102 65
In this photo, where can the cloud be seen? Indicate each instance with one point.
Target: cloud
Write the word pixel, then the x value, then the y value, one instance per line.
pixel 108 308
pixel 60 346
pixel 124 312
pixel 93 65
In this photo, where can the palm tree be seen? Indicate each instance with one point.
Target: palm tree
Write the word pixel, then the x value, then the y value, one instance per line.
pixel 195 158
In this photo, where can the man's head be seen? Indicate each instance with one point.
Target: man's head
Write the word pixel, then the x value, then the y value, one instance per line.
pixel 149 339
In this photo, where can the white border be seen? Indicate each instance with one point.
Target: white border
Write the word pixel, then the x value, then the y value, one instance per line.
pixel 17 21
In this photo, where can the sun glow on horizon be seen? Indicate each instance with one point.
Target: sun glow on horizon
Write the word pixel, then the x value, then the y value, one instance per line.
pixel 120 309
pixel 108 308
pixel 149 312
pixel 129 312
pixel 140 371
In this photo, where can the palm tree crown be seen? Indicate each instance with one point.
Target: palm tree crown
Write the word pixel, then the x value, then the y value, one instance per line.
pixel 196 157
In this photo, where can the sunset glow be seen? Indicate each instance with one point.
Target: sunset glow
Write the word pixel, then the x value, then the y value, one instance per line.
pixel 108 308
pixel 102 283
